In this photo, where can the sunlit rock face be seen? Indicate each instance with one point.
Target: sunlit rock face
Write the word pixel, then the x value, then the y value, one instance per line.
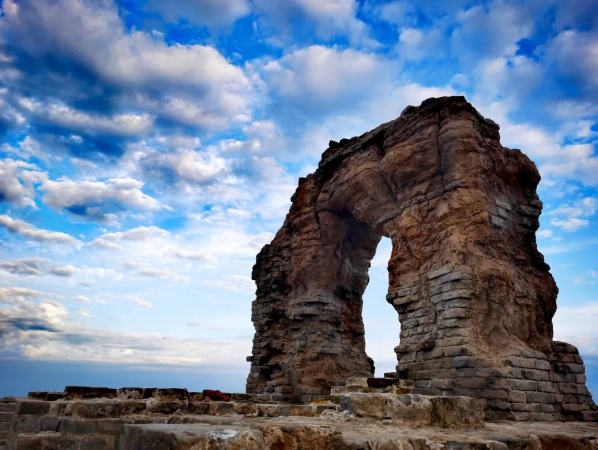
pixel 474 297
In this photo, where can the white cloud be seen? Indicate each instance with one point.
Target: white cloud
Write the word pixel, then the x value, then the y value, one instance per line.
pixel 235 283
pixel 571 224
pixel 590 278
pixel 63 271
pixel 137 301
pixel 24 266
pixel 585 207
pixel 327 18
pixel 577 325
pixel 544 233
pixel 98 200
pixel 577 55
pixel 415 44
pixel 14 294
pixel 84 313
pixel 257 242
pixel 393 12
pixel 557 159
pixel 318 80
pixel 193 78
pixel 124 125
pixel 103 243
pixel 204 12
pixel 492 31
pixel 194 323
pixel 197 256
pixel 28 231
pixel 143 233
pixel 82 298
pixel 147 270
pixel 186 166
pixel 18 180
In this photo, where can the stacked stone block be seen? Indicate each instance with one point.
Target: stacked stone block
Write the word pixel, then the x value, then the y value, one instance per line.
pixel 165 419
pixel 7 406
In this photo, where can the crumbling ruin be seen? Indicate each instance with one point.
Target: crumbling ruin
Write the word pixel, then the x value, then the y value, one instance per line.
pixel 474 296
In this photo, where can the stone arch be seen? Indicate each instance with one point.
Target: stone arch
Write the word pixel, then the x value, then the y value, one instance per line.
pixel 474 296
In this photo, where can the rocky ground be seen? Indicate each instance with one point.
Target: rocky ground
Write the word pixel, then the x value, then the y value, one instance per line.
pixel 383 417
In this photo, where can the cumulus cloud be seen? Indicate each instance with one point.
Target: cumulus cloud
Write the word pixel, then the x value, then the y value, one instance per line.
pixel 146 270
pixel 573 213
pixel 29 231
pixel 197 256
pixel 142 233
pixel 100 201
pixel 582 208
pixel 558 158
pixel 12 295
pixel 325 19
pixel 194 323
pixel 235 283
pixel 63 271
pixel 123 125
pixel 24 266
pixel 185 166
pixel 577 325
pixel 493 31
pixel 103 243
pixel 576 56
pixel 317 80
pixel 33 325
pixel 18 180
pixel 570 224
pixel 112 83
pixel 415 44
pixel 137 301
pixel 211 13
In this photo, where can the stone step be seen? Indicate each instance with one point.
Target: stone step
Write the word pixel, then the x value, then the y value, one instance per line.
pixel 42 441
pixel 373 385
pixel 391 375
pixel 5 416
pixel 7 407
pixel 445 412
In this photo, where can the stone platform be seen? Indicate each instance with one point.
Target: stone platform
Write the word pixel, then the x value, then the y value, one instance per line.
pixel 365 413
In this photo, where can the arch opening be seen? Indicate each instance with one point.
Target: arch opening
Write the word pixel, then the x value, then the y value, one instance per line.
pixel 382 326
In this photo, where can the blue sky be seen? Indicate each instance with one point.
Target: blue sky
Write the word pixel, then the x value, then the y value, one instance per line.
pixel 149 149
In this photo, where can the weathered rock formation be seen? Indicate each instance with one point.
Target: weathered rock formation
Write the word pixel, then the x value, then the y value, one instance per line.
pixel 474 296
pixel 167 419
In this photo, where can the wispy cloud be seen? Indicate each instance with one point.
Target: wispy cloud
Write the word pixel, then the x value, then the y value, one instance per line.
pixel 29 231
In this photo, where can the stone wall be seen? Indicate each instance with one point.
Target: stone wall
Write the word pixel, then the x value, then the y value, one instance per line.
pixel 7 407
pixel 474 297
pixel 88 418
